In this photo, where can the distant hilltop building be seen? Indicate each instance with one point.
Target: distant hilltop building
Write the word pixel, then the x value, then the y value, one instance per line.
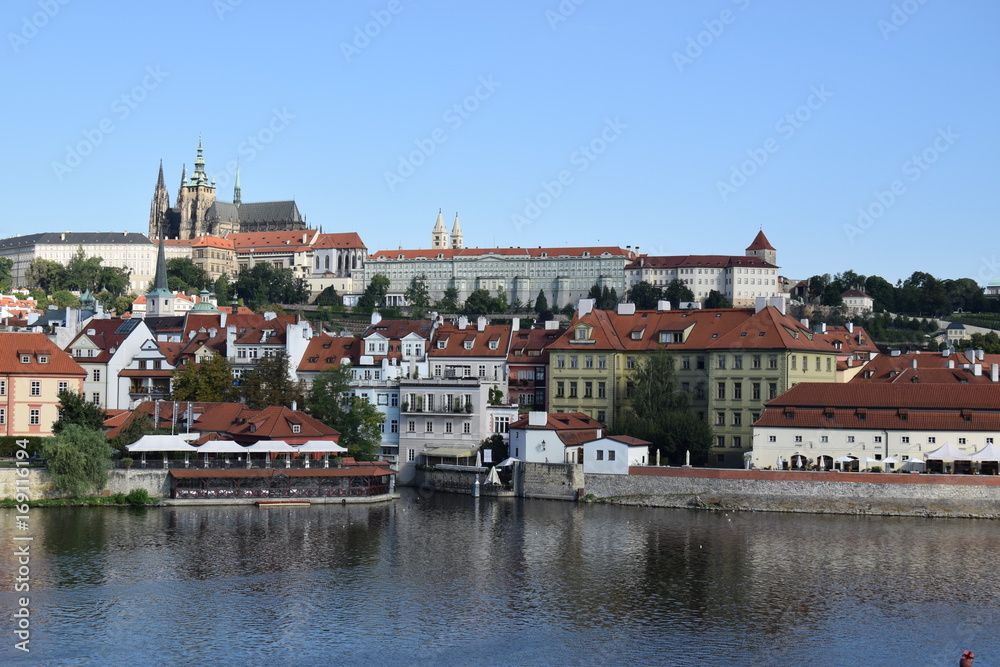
pixel 197 212
pixel 564 274
pixel 739 278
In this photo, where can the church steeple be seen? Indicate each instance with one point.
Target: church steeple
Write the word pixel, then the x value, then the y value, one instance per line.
pixel 160 300
pixel 236 188
pixel 439 237
pixel 159 207
pixel 457 242
pixel 199 177
pixel 184 177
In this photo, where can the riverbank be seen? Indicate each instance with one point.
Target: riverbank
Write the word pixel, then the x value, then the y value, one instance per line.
pixel 877 494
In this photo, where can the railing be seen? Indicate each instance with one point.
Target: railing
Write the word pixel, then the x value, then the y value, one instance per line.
pixel 222 464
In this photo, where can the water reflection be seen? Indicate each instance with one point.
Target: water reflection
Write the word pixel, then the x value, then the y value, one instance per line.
pixel 452 580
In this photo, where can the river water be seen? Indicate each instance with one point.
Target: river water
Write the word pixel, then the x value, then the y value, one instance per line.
pixel 449 580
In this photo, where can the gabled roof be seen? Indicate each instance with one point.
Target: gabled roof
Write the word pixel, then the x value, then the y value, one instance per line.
pixel 517 253
pixel 455 341
pixel 931 368
pixel 276 422
pixel 264 241
pixel 699 261
pixel 561 421
pixel 36 345
pixel 855 294
pixel 324 352
pixel 104 334
pixel 769 329
pixel 530 346
pixel 341 240
pixel 399 329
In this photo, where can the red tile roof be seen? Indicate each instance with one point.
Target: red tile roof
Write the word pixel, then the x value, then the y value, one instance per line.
pixel 561 421
pixel 263 241
pixel 448 253
pixel 455 340
pixel 889 396
pixel 322 352
pixel 932 368
pixel 275 423
pixel 341 240
pixel 13 345
pixel 760 242
pixel 696 261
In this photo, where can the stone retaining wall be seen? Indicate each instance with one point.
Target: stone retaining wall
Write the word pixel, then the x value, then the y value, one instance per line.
pixel 820 493
pixel 556 481
pixel 39 486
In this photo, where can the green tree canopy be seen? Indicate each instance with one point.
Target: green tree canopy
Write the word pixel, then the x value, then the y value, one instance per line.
pixel 45 273
pixel 6 274
pixel 716 300
pixel 358 421
pixel 269 383
pixel 374 295
pixel 480 302
pixel 210 381
pixel 78 459
pixel 660 412
pixel 677 293
pixel 449 301
pixel 418 296
pixel 75 410
pixel 263 284
pixel 184 275
pixel 65 299
pixel 329 298
pixel 223 290
pixel 541 303
pixel 645 295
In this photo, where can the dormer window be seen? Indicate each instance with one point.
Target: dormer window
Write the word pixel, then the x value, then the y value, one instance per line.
pixel 468 345
pixel 43 358
pixel 296 428
pixel 582 333
pixel 494 344
pixel 25 358
pixel 637 335
pixel 442 344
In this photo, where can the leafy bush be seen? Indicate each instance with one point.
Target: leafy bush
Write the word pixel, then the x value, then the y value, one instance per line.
pixel 138 497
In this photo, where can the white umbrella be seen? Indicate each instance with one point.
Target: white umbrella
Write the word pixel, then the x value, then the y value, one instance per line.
pixel 508 462
pixel 778 464
pixel 493 477
pixel 822 463
pixel 866 460
pixel 321 446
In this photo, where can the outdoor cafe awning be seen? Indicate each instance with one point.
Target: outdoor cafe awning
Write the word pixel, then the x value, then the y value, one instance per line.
pixel 161 443
pixel 221 447
pixel 321 446
pixel 947 452
pixel 271 446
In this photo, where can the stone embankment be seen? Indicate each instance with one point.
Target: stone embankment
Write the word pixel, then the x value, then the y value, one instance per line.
pixel 154 482
pixel 887 494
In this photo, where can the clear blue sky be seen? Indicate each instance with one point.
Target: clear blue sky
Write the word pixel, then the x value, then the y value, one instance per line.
pixel 670 97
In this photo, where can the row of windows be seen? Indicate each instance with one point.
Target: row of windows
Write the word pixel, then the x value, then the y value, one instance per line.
pixel 904 439
pixel 411 427
pixel 737 391
pixel 737 418
pixel 805 363
pixel 588 389
pixel 588 361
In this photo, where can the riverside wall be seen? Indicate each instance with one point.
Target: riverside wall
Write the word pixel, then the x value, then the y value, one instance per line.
pixel 970 496
pixel 39 486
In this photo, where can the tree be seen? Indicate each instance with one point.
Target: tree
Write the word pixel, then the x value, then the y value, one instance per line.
pixel 716 300
pixel 114 279
pixel 500 304
pixel 263 284
pixel 357 420
pixel 645 295
pixel 374 294
pixel 184 275
pixel 604 298
pixel 223 290
pixel 329 298
pixel 418 297
pixel 65 299
pixel 568 310
pixel 677 292
pixel 123 304
pixel 449 301
pixel 541 303
pixel 78 459
pixel 210 381
pixel 140 425
pixel 78 411
pixel 479 303
pixel 269 383
pixel 501 449
pixel 831 296
pixel 44 273
pixel 882 293
pixel 82 272
pixel 660 412
pixel 6 274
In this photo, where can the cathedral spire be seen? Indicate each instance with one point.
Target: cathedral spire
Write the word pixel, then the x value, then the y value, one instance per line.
pixel 184 177
pixel 199 177
pixel 457 241
pixel 236 188
pixel 158 209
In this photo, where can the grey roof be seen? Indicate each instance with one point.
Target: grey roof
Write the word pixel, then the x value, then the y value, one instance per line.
pixel 270 211
pixel 59 317
pixel 223 210
pixel 75 238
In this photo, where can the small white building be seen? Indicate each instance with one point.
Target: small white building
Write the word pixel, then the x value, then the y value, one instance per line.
pixel 555 437
pixel 613 454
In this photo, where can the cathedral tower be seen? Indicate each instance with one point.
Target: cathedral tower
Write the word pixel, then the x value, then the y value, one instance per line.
pixel 762 248
pixel 439 237
pixel 457 242
pixel 195 198
pixel 159 209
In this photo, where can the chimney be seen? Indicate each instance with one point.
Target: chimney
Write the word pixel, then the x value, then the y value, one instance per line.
pixel 805 322
pixel 779 303
pixel 893 353
pixel 944 352
pixel 626 309
pixel 979 354
pixel 463 322
pixel 977 370
pixel 481 323
pixel 913 363
pixel 995 373
pixel 970 354
pixel 662 305
pixel 584 307
pixel 376 318
pixel 850 327
pixel 295 406
pixel 538 418
pixel 951 363
pixel 760 303
pixel 850 362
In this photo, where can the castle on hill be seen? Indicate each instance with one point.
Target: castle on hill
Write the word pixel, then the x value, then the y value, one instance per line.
pixel 197 211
